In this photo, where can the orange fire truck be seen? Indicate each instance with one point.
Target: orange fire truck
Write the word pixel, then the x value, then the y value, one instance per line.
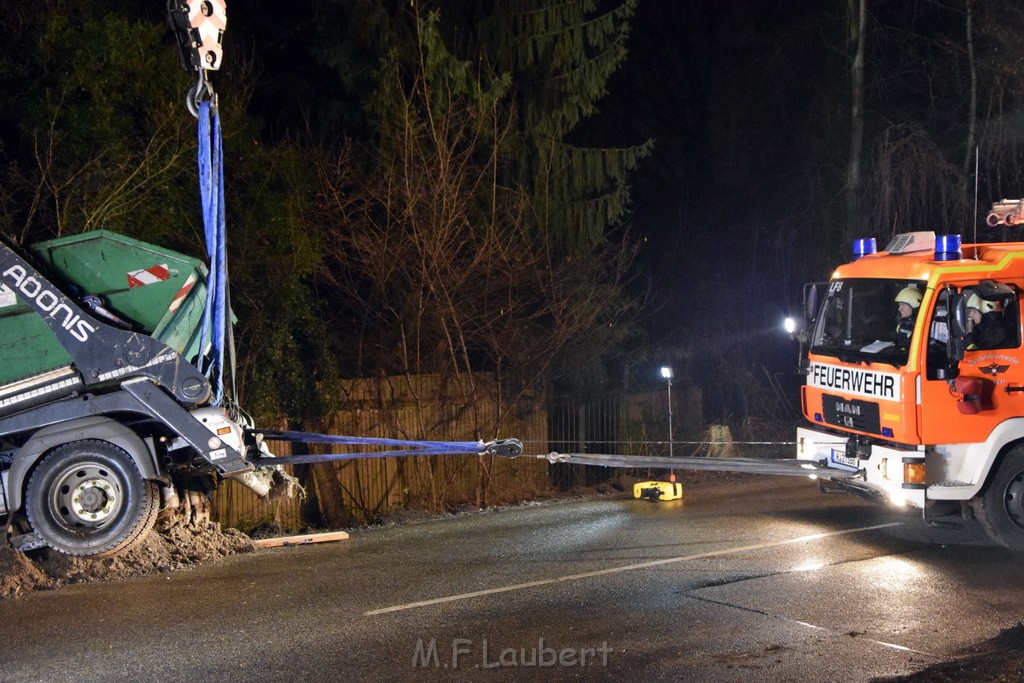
pixel 925 410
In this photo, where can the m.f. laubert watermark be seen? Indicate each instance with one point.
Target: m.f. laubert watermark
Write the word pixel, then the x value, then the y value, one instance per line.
pixel 466 653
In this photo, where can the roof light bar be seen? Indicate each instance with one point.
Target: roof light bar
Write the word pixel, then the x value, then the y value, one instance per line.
pixel 947 248
pixel 863 247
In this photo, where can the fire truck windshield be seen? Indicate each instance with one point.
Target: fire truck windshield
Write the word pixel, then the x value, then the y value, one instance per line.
pixel 868 320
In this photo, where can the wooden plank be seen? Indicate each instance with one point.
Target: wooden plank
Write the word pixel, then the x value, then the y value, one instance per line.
pixel 301 539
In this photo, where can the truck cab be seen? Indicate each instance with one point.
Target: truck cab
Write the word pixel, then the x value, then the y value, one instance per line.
pixel 923 410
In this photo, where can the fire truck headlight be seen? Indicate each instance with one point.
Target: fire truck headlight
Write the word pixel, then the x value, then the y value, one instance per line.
pixel 789 324
pixel 898 500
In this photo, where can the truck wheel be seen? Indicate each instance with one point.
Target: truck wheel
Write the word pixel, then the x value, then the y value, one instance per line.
pixel 89 498
pixel 1001 507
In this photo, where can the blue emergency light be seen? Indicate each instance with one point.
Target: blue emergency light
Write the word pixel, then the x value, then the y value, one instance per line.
pixel 863 247
pixel 947 248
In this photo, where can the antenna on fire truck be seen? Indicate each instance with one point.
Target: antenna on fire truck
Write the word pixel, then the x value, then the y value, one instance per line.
pixel 975 214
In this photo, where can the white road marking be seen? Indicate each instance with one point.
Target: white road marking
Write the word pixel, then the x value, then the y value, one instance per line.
pixel 901 648
pixel 624 568
pixel 805 624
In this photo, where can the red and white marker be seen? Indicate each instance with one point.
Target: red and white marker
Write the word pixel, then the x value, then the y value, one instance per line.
pixel 147 276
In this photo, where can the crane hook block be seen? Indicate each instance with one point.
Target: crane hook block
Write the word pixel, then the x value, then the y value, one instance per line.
pixel 199 28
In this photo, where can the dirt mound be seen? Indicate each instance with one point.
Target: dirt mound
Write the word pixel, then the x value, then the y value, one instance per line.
pixel 185 537
pixel 18 575
pixel 999 660
pixel 173 545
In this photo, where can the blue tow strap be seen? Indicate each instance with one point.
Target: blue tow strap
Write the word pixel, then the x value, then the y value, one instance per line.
pixel 504 447
pixel 211 187
pixel 215 321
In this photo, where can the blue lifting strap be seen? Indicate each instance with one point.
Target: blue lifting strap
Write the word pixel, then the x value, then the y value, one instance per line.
pixel 211 187
pixel 504 447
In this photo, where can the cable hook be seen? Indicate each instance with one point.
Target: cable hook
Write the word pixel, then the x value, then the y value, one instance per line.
pixel 201 92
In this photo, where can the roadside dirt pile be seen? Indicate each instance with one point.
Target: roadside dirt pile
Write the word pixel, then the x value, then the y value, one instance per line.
pixel 177 542
pixel 18 575
pixel 186 537
pixel 999 660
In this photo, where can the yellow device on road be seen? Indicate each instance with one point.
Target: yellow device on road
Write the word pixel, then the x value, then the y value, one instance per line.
pixel 658 490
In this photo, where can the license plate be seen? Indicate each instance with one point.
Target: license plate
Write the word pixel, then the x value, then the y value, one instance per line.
pixel 840 458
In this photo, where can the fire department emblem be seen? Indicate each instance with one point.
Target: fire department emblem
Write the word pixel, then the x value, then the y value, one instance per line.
pixel 994 369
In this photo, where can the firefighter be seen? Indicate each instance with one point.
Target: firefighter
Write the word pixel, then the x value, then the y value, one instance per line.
pixel 908 302
pixel 986 329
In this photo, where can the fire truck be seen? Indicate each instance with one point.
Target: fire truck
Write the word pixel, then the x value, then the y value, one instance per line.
pixel 925 410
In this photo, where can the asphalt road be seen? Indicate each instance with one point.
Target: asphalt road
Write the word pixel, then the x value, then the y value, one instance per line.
pixel 749 580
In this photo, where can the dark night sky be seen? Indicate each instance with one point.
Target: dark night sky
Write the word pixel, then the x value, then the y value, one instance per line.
pixel 748 104
pixel 743 198
pixel 726 89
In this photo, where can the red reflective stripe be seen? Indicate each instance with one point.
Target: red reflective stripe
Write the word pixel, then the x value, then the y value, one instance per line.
pixel 182 293
pixel 147 276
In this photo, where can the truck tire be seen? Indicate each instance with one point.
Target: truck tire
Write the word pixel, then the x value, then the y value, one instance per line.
pixel 88 498
pixel 1001 507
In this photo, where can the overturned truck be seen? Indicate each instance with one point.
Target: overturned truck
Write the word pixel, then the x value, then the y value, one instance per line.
pixel 103 412
pixel 105 415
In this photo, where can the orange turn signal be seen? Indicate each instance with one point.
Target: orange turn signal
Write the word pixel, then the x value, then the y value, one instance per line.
pixel 913 472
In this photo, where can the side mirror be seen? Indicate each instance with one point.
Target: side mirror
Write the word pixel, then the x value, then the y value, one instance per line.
pixel 812 299
pixel 995 291
pixel 957 315
pixel 957 342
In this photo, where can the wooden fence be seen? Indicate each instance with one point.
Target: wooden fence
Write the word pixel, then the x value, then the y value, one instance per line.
pixel 349 492
pixel 236 506
pixel 355 491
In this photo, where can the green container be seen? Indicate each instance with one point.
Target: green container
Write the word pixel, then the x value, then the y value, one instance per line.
pixel 161 292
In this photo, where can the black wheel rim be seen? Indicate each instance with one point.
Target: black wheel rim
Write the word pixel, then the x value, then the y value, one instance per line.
pixel 1013 500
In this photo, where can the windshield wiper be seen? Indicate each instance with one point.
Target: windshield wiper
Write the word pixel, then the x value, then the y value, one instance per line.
pixel 845 355
pixel 852 357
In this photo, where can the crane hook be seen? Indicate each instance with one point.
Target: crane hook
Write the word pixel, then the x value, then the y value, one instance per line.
pixel 201 92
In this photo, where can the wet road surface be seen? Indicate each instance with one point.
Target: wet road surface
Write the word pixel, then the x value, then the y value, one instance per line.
pixel 748 580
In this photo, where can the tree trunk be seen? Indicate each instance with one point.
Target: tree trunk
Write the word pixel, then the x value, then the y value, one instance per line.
pixel 972 114
pixel 857 21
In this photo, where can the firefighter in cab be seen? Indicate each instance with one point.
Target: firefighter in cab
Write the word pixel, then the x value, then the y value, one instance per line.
pixel 908 302
pixel 985 324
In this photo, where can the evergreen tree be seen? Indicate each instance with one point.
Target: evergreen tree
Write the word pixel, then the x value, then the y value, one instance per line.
pixel 96 135
pixel 561 56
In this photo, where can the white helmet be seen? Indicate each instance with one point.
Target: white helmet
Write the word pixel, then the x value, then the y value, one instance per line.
pixel 910 296
pixel 983 305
